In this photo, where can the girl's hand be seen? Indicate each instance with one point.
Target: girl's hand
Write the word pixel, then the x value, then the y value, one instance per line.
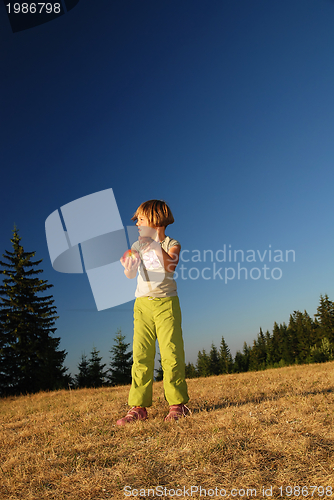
pixel 130 261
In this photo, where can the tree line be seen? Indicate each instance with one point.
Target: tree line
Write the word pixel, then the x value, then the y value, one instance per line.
pixel 303 340
pixel 31 361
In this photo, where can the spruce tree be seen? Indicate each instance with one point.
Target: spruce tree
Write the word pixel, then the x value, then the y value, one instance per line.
pixel 214 361
pixel 323 353
pixel 121 361
pixel 287 341
pixel 268 341
pixel 239 364
pixel 159 372
pixel 83 379
pixel 276 345
pixel 241 360
pixel 258 353
pixel 304 334
pixel 325 319
pixel 190 371
pixel 96 371
pixel 29 357
pixel 225 358
pixel 203 364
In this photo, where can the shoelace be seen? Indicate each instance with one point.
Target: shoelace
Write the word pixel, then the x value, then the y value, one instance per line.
pixel 179 410
pixel 132 412
pixel 184 406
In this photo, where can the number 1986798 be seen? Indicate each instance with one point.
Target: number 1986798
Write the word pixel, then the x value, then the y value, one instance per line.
pixel 33 8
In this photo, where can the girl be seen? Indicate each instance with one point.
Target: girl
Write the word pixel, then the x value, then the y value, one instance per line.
pixel 157 314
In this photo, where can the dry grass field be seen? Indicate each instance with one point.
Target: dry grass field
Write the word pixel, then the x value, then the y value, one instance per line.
pixel 252 435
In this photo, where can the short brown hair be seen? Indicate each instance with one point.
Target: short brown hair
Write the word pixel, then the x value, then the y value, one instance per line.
pixel 157 213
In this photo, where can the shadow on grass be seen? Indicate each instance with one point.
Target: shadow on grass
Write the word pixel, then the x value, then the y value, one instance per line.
pixel 260 398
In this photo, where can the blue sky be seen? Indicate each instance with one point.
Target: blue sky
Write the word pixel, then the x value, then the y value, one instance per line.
pixel 224 109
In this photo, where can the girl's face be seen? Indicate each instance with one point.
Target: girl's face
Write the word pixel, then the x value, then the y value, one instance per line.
pixel 144 227
pixel 142 221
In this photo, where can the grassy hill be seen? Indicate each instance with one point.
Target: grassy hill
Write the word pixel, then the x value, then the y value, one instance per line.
pixel 247 432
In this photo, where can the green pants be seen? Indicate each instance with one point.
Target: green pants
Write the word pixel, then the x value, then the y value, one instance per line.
pixel 158 318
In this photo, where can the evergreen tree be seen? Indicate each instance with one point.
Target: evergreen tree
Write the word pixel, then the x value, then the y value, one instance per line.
pixel 305 335
pixel 241 360
pixel 258 353
pixel 29 357
pixel 160 373
pixel 299 338
pixel 97 374
pixel 225 358
pixel 121 361
pixel 82 379
pixel 214 361
pixel 325 319
pixel 275 345
pixel 323 353
pixel 246 354
pixel 286 345
pixel 292 351
pixel 190 371
pixel 203 364
pixel 268 343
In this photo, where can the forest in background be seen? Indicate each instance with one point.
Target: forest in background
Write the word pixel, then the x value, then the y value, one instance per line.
pixel 303 340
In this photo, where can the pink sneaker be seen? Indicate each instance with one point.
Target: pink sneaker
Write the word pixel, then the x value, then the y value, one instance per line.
pixel 176 412
pixel 136 413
